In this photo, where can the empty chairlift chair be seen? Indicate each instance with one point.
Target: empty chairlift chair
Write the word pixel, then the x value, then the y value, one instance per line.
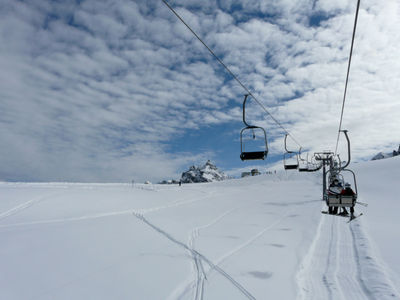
pixel 313 165
pixel 303 163
pixel 257 151
pixel 290 158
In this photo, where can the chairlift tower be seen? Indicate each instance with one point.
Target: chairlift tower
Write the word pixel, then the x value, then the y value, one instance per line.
pixel 326 159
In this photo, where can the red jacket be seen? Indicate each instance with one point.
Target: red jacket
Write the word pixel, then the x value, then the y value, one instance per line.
pixel 347 192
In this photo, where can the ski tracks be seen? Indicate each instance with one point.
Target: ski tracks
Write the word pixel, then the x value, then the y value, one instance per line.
pixel 371 271
pixel 200 275
pixel 197 285
pixel 198 256
pixel 17 209
pixel 72 219
pixel 174 204
pixel 340 266
pixel 141 211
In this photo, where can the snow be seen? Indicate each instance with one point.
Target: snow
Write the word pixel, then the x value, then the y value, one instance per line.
pixel 259 237
pixel 378 182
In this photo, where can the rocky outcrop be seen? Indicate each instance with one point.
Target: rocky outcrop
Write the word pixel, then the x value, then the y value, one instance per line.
pixel 207 173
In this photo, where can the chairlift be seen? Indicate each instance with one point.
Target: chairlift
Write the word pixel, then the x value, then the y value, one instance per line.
pixel 303 163
pixel 290 158
pixel 314 166
pixel 334 201
pixel 252 155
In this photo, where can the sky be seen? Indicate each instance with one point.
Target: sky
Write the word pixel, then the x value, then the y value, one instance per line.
pixel 115 91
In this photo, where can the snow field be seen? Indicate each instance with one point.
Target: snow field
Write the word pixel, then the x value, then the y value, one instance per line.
pixel 254 238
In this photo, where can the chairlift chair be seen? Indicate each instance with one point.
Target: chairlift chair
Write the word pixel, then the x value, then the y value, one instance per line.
pixel 333 201
pixel 252 155
pixel 314 166
pixel 303 163
pixel 290 158
pixel 303 168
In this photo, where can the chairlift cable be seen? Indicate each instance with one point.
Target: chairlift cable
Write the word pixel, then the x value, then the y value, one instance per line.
pixel 347 76
pixel 230 72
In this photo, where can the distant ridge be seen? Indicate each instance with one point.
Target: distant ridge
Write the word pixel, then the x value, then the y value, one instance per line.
pixel 382 155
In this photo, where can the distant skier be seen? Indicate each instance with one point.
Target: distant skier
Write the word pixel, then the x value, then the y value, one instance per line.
pixel 180 182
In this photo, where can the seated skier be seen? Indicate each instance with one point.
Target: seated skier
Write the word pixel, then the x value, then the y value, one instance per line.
pixel 347 191
pixel 335 188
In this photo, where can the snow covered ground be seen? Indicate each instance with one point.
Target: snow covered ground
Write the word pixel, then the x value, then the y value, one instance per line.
pixel 254 238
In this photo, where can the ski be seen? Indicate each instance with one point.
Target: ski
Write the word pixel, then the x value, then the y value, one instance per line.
pixel 337 215
pixel 355 217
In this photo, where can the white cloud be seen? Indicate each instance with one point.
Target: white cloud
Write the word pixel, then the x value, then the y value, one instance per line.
pixel 96 91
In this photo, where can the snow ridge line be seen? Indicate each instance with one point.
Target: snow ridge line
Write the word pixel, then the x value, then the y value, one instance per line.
pixel 371 274
pixel 194 252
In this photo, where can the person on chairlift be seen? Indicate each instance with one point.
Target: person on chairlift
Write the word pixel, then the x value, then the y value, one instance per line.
pixel 347 191
pixel 335 187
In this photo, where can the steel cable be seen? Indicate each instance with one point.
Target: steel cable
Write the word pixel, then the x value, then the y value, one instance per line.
pixel 231 73
pixel 347 76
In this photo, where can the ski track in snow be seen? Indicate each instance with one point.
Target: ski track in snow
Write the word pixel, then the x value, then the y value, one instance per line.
pixel 371 272
pixel 17 209
pixel 94 216
pixel 174 204
pixel 340 266
pixel 198 283
pixel 72 219
pixel 200 256
pixel 252 239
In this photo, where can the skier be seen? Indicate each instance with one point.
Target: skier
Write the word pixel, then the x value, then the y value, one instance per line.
pixel 335 188
pixel 348 191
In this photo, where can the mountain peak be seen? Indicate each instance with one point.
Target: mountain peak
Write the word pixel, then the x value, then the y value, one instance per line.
pixel 206 173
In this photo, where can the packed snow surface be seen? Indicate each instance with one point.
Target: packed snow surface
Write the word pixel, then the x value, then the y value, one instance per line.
pixel 260 237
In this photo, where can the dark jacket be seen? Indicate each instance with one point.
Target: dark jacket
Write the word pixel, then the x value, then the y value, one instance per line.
pixel 347 192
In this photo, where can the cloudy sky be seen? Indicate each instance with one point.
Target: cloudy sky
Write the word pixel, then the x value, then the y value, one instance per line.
pixel 118 90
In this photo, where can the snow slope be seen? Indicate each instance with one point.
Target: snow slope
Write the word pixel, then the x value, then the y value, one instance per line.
pixel 261 237
pixel 378 184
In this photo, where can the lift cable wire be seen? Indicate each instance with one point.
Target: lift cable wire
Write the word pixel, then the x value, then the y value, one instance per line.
pixel 230 72
pixel 347 77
